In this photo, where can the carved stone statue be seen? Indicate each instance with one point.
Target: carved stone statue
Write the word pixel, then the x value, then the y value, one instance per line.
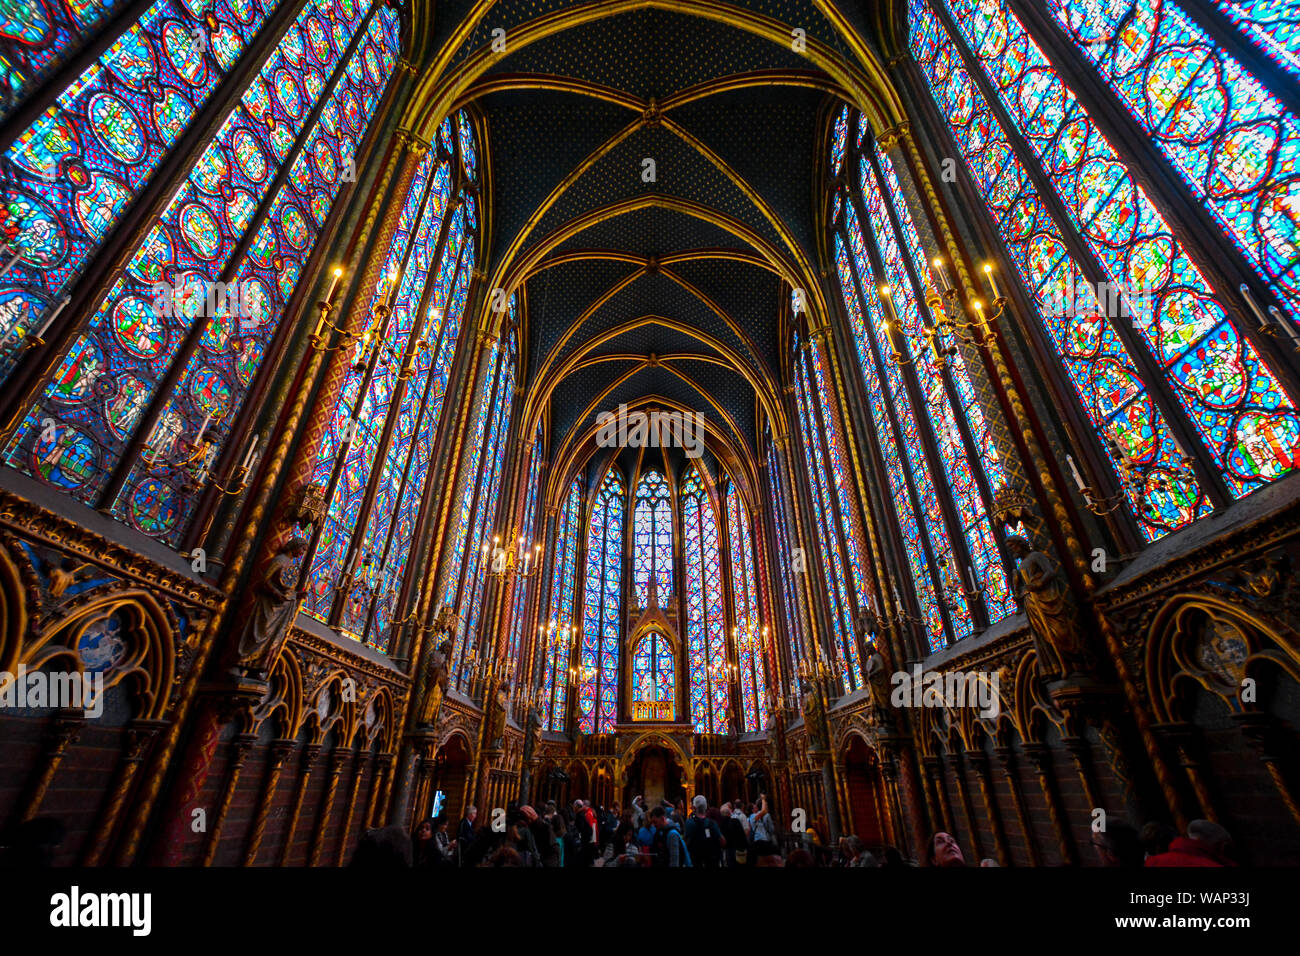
pixel 878 679
pixel 814 717
pixel 496 717
pixel 1046 600
pixel 532 728
pixel 436 681
pixel 275 602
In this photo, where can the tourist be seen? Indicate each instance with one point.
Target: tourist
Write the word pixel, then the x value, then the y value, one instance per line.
pixel 638 811
pixel 670 848
pixel 761 828
pixel 854 853
pixel 519 836
pixel 588 833
pixel 548 844
pixel 465 835
pixel 442 840
pixel 424 852
pixel 1206 844
pixel 703 835
pixel 733 832
pixel 944 850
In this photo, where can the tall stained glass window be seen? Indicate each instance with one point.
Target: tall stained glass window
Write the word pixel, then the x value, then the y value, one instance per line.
pixel 1272 25
pixel 598 658
pixel 519 602
pixel 652 539
pixel 1151 348
pixel 653 687
pixel 68 177
pixel 706 620
pixel 375 472
pixel 473 541
pixel 172 314
pixel 833 498
pixel 1233 142
pixel 934 442
pixel 557 631
pixel 789 564
pixel 750 632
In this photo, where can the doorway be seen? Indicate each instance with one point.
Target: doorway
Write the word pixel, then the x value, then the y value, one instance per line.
pixel 655 775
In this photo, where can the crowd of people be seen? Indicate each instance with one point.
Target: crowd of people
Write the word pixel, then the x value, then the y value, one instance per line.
pixel 737 833
pixel 1121 844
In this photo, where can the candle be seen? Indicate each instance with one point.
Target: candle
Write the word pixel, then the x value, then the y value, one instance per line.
pixel 198 438
pixel 252 452
pixel 329 296
pixel 897 600
pixel 943 276
pixel 974 585
pixel 993 284
pixel 1281 320
pixel 1243 288
pixel 392 289
pixel 1074 470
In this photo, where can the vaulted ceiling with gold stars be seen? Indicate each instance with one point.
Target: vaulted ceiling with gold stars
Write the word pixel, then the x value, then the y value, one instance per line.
pixel 650 171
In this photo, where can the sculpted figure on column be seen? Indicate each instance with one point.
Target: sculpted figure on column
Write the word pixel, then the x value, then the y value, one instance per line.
pixel 1046 601
pixel 275 602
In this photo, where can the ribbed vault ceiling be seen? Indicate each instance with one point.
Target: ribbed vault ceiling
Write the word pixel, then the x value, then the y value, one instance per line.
pixel 663 293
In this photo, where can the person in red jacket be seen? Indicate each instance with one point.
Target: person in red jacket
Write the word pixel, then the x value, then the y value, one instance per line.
pixel 1206 844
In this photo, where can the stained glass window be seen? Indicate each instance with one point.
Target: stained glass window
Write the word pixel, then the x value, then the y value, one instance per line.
pixel 653 694
pixel 1273 25
pixel 473 547
pixel 558 629
pixel 652 542
pixel 790 564
pixel 68 177
pixel 1233 142
pixel 750 632
pixel 598 657
pixel 1217 382
pixel 967 459
pixel 105 389
pixel 706 639
pixel 519 602
pixel 378 471
pixel 37 37
pixel 832 496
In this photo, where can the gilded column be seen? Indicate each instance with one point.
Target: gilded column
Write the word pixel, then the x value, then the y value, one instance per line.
pixel 309 755
pixel 278 753
pixel 1006 759
pixel 1042 759
pixel 239 749
pixel 64 728
pixel 354 792
pixel 979 762
pixel 140 735
pixel 338 759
